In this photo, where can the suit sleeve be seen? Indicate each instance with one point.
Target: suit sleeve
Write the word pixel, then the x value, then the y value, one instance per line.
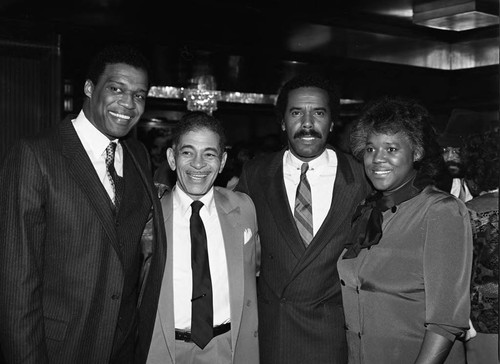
pixel 22 231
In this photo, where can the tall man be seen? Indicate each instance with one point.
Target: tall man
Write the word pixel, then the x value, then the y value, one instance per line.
pixel 300 308
pixel 81 242
pixel 206 316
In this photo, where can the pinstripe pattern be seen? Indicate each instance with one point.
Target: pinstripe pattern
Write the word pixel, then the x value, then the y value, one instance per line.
pixel 303 207
pixel 301 317
pixel 61 273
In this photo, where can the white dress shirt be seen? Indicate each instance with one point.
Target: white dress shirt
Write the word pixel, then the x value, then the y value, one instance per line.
pixel 321 176
pixel 95 144
pixel 456 185
pixel 182 274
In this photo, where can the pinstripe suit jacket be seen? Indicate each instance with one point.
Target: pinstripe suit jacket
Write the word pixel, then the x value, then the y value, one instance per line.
pixel 301 317
pixel 237 218
pixel 61 276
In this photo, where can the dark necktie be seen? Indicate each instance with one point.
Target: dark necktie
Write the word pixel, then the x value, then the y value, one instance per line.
pixel 201 302
pixel 113 177
pixel 303 207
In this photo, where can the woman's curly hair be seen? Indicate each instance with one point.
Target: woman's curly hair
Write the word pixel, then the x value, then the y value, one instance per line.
pixel 394 114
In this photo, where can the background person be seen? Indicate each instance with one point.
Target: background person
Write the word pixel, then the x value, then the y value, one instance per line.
pixel 300 309
pixel 480 154
pixel 78 262
pixel 461 124
pixel 406 271
pixel 198 156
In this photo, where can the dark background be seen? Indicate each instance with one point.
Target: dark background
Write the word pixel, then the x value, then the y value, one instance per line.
pixel 370 48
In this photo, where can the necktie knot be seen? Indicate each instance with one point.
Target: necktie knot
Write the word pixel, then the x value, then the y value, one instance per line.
pixel 303 169
pixel 196 206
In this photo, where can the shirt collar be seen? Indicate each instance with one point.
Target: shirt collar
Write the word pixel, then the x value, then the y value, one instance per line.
pixel 295 163
pixel 91 137
pixel 183 201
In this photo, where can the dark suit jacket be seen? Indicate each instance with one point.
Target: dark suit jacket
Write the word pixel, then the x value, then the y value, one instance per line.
pixel 61 274
pixel 301 317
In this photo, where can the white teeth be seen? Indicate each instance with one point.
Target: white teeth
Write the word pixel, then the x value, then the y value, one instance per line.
pixel 121 116
pixel 197 176
pixel 308 138
pixel 381 172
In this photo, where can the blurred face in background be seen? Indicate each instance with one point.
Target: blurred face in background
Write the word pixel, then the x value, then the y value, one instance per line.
pixel 198 160
pixel 158 150
pixel 388 160
pixel 307 122
pixel 451 156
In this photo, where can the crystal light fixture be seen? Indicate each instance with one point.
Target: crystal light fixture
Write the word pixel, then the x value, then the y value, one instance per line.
pixel 201 100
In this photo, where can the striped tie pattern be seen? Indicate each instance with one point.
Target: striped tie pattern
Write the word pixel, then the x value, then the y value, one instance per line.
pixel 303 207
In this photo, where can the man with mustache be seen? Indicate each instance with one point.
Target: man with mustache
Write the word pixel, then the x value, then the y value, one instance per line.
pixel 461 124
pixel 305 196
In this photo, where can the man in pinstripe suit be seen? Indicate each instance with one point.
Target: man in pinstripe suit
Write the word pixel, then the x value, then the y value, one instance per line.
pixel 81 253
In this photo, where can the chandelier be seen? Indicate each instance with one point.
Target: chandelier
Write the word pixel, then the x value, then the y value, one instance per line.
pixel 199 99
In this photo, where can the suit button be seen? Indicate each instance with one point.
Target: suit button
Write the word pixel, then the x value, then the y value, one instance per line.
pixel 255 333
pixel 342 282
pixel 249 302
pixel 271 257
pixel 359 335
pixel 115 296
pixel 283 300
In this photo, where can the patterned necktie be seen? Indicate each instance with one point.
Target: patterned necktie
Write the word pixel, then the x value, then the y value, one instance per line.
pixel 201 302
pixel 303 207
pixel 111 172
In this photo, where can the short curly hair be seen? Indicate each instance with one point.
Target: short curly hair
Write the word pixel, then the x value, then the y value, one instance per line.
pixel 480 157
pixel 311 79
pixel 394 114
pixel 196 120
pixel 113 54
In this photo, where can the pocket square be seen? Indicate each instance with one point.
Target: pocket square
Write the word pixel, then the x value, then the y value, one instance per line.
pixel 247 235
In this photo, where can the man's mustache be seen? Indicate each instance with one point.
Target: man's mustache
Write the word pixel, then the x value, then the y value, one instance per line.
pixel 454 164
pixel 307 133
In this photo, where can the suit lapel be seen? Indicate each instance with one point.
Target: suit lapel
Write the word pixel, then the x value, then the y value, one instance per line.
pixel 343 190
pixel 83 172
pixel 278 203
pixel 232 232
pixel 166 301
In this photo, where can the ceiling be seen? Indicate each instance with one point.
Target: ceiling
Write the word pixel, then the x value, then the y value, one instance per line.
pixel 254 45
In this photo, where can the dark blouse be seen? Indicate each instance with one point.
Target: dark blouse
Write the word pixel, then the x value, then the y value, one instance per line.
pixel 416 279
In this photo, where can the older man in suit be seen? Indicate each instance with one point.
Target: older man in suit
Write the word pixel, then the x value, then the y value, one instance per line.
pixel 206 315
pixel 305 196
pixel 82 247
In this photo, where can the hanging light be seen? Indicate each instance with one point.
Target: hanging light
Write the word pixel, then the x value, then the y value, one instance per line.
pixel 456 15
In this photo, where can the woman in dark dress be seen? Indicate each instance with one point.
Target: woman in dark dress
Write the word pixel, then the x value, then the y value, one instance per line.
pixel 405 273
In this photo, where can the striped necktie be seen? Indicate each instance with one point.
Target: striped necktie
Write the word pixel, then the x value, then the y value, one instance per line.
pixel 303 207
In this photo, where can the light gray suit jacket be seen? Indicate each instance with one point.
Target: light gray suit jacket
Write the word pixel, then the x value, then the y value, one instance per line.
pixel 239 229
